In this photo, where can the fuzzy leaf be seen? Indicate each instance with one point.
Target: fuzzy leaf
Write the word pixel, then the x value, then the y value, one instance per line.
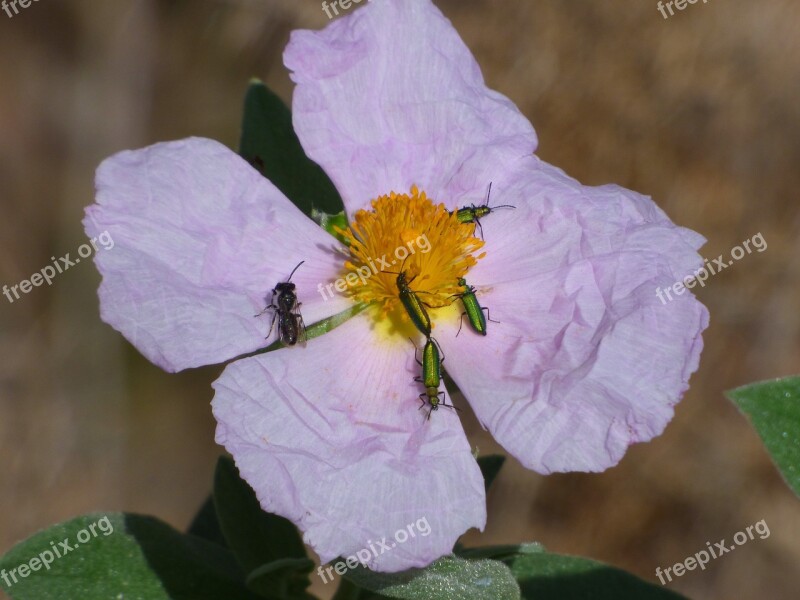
pixel 774 409
pixel 270 144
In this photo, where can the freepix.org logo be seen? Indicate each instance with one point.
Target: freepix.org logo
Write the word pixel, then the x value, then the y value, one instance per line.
pixel 8 5
pixel 364 272
pixel 720 548
pixel 374 549
pixel 337 4
pixel 59 266
pixel 58 549
pixel 712 268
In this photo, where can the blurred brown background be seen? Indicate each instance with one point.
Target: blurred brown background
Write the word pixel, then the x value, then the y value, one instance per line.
pixel 700 111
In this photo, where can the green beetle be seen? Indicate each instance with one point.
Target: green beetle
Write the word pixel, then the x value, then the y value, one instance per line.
pixel 474 214
pixel 473 309
pixel 432 359
pixel 413 305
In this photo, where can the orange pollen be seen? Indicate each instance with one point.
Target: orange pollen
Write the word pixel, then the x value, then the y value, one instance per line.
pixel 407 233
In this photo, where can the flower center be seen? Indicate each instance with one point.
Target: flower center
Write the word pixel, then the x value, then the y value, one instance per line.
pixel 407 234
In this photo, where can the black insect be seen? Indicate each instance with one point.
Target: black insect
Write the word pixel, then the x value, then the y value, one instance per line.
pixel 287 312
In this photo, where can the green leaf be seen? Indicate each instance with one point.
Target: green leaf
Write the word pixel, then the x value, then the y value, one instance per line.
pixel 282 579
pixel 122 556
pixel 490 467
pixel 774 409
pixel 270 144
pixel 545 576
pixel 268 547
pixel 331 223
pixel 504 553
pixel 206 525
pixel 449 578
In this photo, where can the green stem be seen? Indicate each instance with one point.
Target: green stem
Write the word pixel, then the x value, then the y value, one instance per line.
pixel 317 329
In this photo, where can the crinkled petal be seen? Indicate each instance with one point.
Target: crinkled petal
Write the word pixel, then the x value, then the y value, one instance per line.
pixel 200 239
pixel 558 221
pixel 585 359
pixel 331 437
pixel 389 96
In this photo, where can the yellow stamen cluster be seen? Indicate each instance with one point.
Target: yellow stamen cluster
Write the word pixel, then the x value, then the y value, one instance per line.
pixel 408 233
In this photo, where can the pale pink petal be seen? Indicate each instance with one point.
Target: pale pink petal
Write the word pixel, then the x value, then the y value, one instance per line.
pixel 331 437
pixel 200 239
pixel 558 221
pixel 389 96
pixel 586 359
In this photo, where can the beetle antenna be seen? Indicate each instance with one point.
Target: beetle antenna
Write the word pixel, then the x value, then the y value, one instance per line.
pixel 293 270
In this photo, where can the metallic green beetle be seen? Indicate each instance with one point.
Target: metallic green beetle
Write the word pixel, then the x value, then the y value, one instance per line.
pixel 472 309
pixel 474 214
pixel 431 377
pixel 410 300
pixel 413 305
